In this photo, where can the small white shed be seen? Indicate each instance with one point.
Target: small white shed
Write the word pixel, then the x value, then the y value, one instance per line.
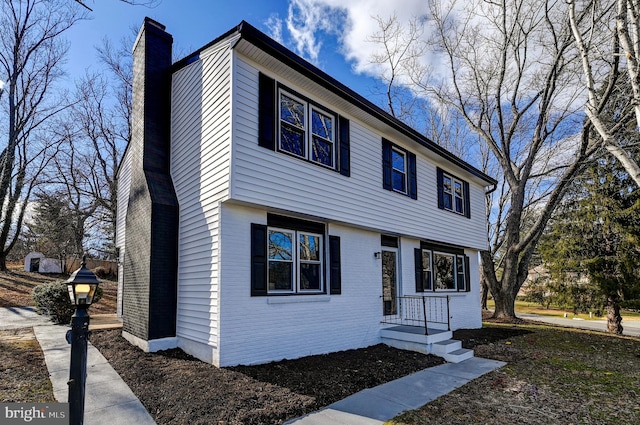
pixel 38 263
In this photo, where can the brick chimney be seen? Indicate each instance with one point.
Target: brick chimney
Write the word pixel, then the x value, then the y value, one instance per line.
pixel 150 263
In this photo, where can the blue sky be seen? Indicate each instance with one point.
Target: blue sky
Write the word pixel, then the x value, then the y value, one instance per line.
pixel 315 29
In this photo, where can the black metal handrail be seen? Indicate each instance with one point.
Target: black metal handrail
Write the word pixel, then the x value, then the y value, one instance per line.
pixel 417 310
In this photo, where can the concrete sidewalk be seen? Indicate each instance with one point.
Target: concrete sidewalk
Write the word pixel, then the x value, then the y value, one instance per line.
pixel 108 400
pixel 21 317
pixel 375 405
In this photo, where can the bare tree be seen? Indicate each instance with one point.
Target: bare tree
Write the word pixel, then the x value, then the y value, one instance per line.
pixel 148 3
pixel 509 70
pixel 602 68
pixel 31 54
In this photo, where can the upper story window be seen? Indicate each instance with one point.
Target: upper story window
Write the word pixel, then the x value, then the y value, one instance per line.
pixel 453 194
pixel 306 131
pixel 290 123
pixel 399 170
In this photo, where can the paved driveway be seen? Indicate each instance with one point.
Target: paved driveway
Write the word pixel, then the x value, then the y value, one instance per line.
pixel 631 327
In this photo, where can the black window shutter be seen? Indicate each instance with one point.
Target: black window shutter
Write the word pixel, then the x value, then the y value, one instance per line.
pixel 386 165
pixel 467 200
pixel 461 279
pixel 466 274
pixel 412 175
pixel 418 270
pixel 266 112
pixel 258 259
pixel 334 265
pixel 440 181
pixel 345 146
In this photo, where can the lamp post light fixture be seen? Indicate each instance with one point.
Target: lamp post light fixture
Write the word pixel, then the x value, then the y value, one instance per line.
pixel 82 287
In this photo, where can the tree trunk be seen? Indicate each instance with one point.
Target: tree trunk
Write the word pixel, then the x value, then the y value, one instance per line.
pixel 485 293
pixel 614 319
pixel 3 262
pixel 505 306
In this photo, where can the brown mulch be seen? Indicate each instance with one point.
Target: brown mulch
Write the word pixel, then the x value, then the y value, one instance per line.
pixel 179 389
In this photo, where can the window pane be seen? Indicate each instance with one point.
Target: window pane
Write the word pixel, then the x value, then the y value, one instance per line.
pixel 321 125
pixel 399 182
pixel 322 152
pixel 280 245
pixel 459 205
pixel 291 111
pixel 309 247
pixel 397 160
pixel 460 265
pixel 446 183
pixel 280 274
pixel 447 201
pixel 310 276
pixel 444 273
pixel 458 189
pixel 292 140
pixel 426 261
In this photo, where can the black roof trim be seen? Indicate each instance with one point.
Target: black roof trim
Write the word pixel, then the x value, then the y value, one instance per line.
pixel 286 56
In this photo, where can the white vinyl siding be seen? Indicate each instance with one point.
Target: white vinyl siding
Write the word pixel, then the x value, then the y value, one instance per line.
pixel 262 329
pixel 267 178
pixel 124 186
pixel 200 157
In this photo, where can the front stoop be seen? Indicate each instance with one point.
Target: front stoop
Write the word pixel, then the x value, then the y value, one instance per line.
pixel 438 342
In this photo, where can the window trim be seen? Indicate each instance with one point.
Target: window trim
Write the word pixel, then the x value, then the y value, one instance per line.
pixel 309 108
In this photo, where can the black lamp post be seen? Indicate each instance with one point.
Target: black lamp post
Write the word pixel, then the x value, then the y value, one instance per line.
pixel 82 287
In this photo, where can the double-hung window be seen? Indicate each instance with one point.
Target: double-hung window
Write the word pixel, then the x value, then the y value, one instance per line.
pixel 453 194
pixel 294 261
pixel 306 131
pixel 441 268
pixel 295 125
pixel 399 170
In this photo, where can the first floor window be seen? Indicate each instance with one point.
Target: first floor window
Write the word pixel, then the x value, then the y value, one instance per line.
pixel 439 270
pixel 294 261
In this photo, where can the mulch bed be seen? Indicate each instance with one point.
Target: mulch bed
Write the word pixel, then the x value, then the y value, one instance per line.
pixel 179 389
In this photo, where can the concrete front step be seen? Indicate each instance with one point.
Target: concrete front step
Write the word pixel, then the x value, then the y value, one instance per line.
pixel 438 342
pixel 458 356
pixel 415 334
pixel 445 347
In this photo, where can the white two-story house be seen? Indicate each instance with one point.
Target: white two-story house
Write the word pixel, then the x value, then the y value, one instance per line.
pixel 267 211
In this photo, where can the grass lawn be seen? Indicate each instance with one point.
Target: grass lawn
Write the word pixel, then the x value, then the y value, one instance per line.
pixel 553 376
pixel 533 308
pixel 16 287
